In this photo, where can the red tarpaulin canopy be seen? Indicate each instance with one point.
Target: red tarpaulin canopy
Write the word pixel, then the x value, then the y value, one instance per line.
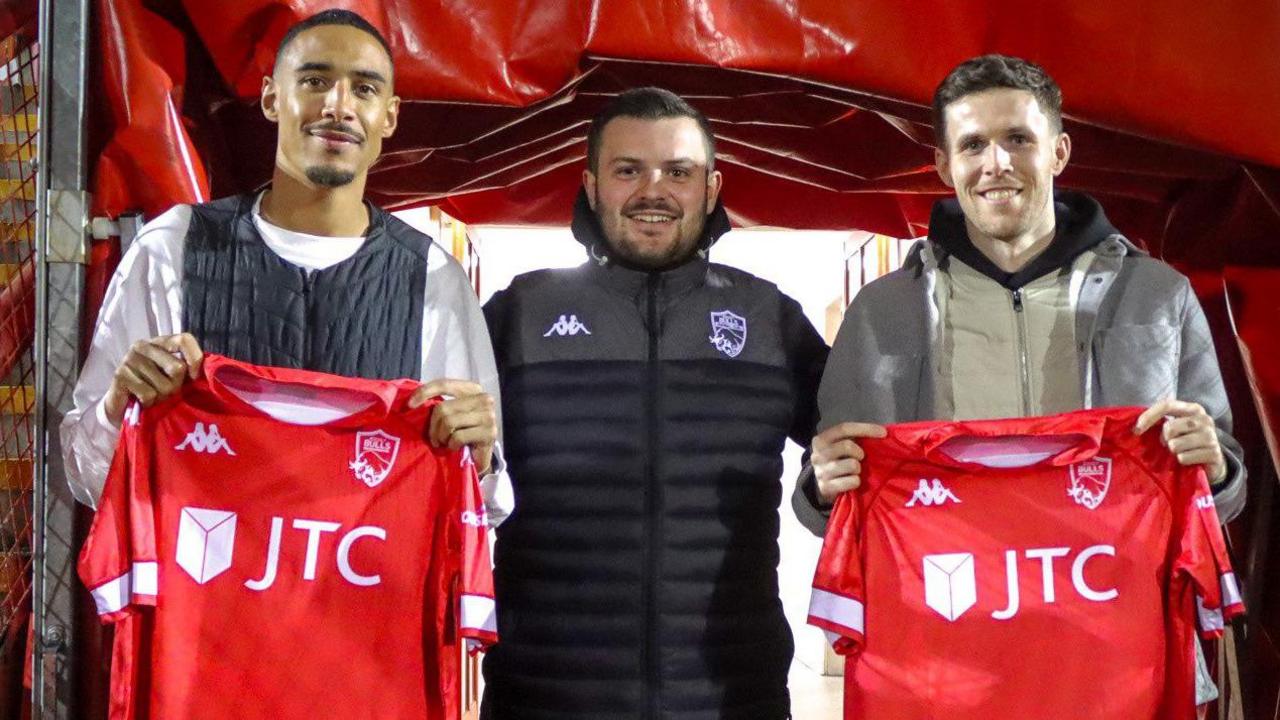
pixel 822 103
pixel 819 108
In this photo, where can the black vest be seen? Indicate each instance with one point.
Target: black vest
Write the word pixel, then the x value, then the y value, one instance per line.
pixel 360 318
pixel 645 416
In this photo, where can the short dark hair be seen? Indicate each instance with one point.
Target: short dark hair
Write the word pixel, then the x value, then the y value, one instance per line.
pixel 646 103
pixel 995 71
pixel 331 17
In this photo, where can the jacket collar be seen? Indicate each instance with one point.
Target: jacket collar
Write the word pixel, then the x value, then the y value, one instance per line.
pixel 629 281
pixel 1082 226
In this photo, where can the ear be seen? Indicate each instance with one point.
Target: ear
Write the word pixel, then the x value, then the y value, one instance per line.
pixel 589 184
pixel 270 99
pixel 393 116
pixel 1061 153
pixel 942 164
pixel 714 181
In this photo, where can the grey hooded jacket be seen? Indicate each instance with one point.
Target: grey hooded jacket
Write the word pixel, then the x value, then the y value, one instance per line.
pixel 1141 337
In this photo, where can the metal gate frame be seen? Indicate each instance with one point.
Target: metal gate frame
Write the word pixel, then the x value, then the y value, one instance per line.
pixel 61 252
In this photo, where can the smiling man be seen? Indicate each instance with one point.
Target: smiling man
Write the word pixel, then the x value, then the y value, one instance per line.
pixel 1023 301
pixel 303 274
pixel 647 398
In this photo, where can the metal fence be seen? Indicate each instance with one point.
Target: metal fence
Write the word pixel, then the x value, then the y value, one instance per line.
pixel 18 137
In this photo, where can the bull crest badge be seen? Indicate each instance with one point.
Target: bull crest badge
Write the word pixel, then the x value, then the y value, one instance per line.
pixel 728 332
pixel 375 454
pixel 1090 481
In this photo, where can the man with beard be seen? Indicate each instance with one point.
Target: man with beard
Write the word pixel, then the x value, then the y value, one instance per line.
pixel 1023 301
pixel 647 397
pixel 304 274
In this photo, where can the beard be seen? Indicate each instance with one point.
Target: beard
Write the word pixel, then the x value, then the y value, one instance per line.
pixel 633 253
pixel 329 177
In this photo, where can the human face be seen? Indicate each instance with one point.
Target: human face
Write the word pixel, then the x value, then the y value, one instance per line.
pixel 332 98
pixel 1002 153
pixel 652 192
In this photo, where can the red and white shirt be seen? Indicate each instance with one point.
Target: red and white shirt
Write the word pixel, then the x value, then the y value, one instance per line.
pixel 286 544
pixel 1048 568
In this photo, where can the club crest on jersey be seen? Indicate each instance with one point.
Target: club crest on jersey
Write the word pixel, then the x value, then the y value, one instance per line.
pixel 375 454
pixel 1090 481
pixel 728 332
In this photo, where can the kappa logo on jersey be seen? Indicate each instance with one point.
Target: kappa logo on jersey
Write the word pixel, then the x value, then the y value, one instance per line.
pixel 375 454
pixel 569 325
pixel 951 580
pixel 935 494
pixel 207 538
pixel 728 332
pixel 1090 481
pixel 205 441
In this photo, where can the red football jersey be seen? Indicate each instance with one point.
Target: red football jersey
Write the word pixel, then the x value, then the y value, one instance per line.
pixel 1048 568
pixel 286 544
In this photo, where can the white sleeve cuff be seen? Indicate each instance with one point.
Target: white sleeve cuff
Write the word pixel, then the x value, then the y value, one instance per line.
pixel 88 445
pixel 495 488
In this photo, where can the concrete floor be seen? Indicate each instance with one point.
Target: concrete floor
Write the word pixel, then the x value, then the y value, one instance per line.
pixel 814 697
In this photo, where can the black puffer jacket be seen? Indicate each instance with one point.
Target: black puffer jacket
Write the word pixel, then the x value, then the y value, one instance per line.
pixel 644 418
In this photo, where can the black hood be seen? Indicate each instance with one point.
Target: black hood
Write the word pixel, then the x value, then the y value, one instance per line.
pixel 586 227
pixel 1080 223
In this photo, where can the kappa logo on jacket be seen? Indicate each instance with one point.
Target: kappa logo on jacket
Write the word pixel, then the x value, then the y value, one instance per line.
pixel 728 332
pixel 935 494
pixel 205 441
pixel 566 325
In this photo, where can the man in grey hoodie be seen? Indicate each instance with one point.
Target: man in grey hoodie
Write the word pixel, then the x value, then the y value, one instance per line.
pixel 1023 301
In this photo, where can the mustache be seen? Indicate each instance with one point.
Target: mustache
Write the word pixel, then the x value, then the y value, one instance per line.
pixel 335 127
pixel 648 205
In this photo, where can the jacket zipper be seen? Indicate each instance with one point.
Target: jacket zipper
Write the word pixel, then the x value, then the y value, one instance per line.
pixel 306 316
pixel 1024 365
pixel 654 506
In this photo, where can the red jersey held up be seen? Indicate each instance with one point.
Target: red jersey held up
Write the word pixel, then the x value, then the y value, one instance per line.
pixel 284 544
pixel 1049 568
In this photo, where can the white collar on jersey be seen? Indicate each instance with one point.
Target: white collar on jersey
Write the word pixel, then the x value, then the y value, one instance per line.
pixel 299 397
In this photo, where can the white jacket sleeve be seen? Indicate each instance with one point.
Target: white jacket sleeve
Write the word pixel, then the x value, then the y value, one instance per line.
pixel 143 301
pixel 455 344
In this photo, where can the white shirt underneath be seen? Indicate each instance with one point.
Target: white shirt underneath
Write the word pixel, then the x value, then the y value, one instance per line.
pixel 311 252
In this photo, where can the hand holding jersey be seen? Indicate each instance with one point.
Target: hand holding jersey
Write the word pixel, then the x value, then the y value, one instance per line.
pixel 466 417
pixel 151 371
pixel 837 458
pixel 1188 432
pixel 155 369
